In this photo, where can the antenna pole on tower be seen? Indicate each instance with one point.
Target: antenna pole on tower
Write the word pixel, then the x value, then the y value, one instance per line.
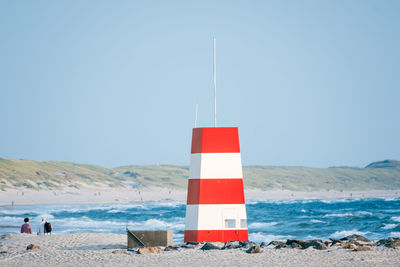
pixel 215 80
pixel 195 119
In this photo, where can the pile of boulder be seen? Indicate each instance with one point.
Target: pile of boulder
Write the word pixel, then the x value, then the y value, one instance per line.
pixel 352 242
pixel 391 242
pixel 249 246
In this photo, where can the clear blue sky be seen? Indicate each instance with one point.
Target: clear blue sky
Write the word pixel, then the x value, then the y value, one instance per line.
pixel 314 83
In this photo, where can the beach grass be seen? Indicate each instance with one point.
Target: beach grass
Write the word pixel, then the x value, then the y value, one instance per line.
pixel 52 175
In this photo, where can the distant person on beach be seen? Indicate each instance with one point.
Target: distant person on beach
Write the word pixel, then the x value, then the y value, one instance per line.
pixel 26 227
pixel 41 230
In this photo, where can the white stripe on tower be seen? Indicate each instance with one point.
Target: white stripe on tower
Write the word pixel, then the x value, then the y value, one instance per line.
pixel 198 216
pixel 216 165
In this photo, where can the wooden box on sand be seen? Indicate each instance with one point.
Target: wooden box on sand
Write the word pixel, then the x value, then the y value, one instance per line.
pixel 149 238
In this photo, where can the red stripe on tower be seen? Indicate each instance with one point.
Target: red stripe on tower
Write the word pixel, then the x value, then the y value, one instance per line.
pixel 215 191
pixel 215 210
pixel 215 140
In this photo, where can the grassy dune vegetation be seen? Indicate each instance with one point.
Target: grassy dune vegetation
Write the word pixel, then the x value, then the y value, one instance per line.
pixel 52 175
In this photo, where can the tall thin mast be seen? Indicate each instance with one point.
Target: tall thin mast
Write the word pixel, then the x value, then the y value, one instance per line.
pixel 215 81
pixel 195 118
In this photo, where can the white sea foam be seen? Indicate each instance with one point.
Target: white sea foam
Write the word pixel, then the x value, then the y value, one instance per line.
pixel 395 234
pixel 316 221
pixel 389 226
pixel 276 201
pixel 258 225
pixel 161 225
pixel 396 218
pixel 76 208
pixel 336 200
pixel 116 210
pixel 364 213
pixel 178 237
pixel 82 224
pixel 341 234
pixel 109 208
pixel 338 215
pixel 306 201
pixel 311 237
pixel 16 211
pixel 390 198
pixel 10 220
pixel 261 237
pixel 167 204
pixel 46 215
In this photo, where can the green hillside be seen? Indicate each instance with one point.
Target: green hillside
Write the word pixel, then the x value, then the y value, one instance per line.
pixel 52 174
pixel 57 175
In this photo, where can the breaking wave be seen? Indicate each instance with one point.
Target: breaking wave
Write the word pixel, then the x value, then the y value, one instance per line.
pixel 267 220
pixel 341 234
pixel 261 237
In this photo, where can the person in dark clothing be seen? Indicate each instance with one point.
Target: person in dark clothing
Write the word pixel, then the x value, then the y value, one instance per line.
pixel 26 227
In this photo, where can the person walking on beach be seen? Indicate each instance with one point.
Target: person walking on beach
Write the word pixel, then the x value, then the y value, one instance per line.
pixel 26 227
pixel 41 230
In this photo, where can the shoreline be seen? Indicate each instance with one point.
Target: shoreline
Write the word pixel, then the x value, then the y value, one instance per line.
pixel 127 195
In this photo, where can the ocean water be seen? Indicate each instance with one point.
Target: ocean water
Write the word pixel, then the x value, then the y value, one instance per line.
pixel 374 218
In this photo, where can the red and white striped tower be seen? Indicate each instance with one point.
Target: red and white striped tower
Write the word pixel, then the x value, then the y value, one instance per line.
pixel 215 210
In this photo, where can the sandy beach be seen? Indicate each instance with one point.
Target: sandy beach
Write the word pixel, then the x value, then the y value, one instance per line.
pixel 106 249
pixel 110 250
pixel 125 195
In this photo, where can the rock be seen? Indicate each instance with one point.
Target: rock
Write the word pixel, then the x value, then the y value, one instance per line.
pixel 247 244
pixel 328 243
pixel 171 248
pixel 317 244
pixel 391 242
pixel 362 248
pixel 348 245
pixel 231 245
pixel 243 243
pixel 209 246
pixel 289 242
pixel 279 246
pixel 188 246
pixel 32 247
pixel 263 244
pixel 275 243
pixel 355 238
pixel 120 251
pixel 296 245
pixel 149 250
pixel 335 241
pixel 254 249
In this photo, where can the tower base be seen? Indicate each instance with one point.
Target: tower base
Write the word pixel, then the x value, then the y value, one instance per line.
pixel 216 235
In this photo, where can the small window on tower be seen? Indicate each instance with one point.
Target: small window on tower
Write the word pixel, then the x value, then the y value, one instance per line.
pixel 230 223
pixel 243 223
